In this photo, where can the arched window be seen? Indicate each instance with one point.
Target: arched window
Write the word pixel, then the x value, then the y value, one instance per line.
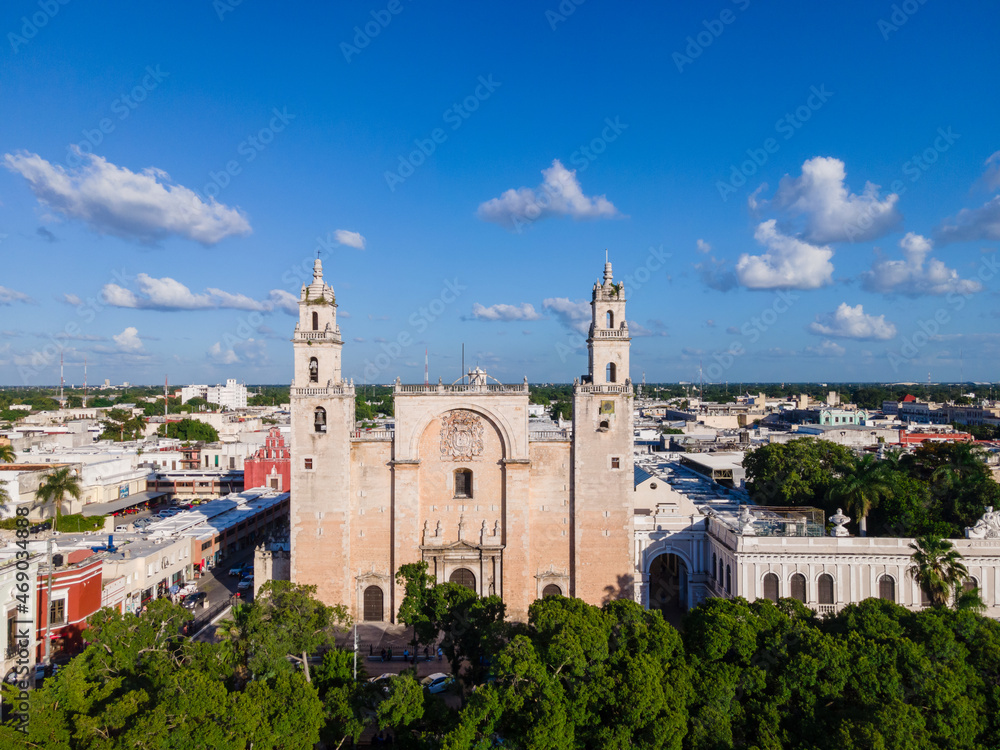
pixel 373 604
pixel 720 572
pixel 551 590
pixel 799 587
pixel 463 577
pixel 729 580
pixel 887 588
pixel 714 563
pixel 319 419
pixel 824 588
pixel 604 425
pixel 610 319
pixel 313 370
pixel 315 321
pixel 612 372
pixel 969 584
pixel 463 483
pixel 771 587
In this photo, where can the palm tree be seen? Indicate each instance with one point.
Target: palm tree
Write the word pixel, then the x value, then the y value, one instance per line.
pixel 55 487
pixel 938 568
pixel 860 488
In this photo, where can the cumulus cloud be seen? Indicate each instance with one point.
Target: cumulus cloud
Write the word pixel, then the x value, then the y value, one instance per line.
pixel 704 247
pixel 128 341
pixel 559 194
pixel 351 239
pixel 167 294
pixel 789 263
pixel 524 311
pixel 831 213
pixel 916 274
pixel 10 296
pixel 574 315
pixel 972 224
pixel 852 323
pixel 142 206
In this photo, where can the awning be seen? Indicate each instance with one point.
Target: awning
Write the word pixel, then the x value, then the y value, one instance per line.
pixel 103 509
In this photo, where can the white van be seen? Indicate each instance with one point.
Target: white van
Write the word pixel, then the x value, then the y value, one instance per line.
pixel 123 529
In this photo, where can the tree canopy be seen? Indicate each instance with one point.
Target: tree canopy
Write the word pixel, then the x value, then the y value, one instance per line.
pixel 189 429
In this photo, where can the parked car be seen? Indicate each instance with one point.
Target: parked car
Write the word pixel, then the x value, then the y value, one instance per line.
pixel 437 682
pixel 241 569
pixel 246 583
pixel 195 599
pixel 122 528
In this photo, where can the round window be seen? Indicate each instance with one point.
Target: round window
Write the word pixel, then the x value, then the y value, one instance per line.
pixel 652 485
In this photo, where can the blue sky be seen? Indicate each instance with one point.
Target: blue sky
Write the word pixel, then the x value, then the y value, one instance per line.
pixel 799 192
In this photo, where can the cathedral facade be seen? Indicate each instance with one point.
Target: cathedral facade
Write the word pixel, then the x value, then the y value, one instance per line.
pixel 461 482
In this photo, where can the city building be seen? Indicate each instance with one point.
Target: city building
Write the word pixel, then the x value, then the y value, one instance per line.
pixel 270 466
pixel 232 395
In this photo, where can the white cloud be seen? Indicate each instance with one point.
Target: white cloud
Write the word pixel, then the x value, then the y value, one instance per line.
pixel 716 274
pixel 574 315
pixel 285 301
pixel 972 224
pixel 830 211
pixel 351 239
pixel 128 340
pixel 251 351
pixel 916 274
pixel 827 349
pixel 704 247
pixel 789 263
pixel 559 194
pixel 524 311
pixel 9 296
pixel 852 323
pixel 168 294
pixel 114 200
pixel 73 299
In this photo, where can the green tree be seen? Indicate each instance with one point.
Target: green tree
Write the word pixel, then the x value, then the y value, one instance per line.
pixel 799 472
pixel 119 425
pixel 56 487
pixel 938 568
pixel 187 430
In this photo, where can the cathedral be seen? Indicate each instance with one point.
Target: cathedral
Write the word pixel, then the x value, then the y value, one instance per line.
pixel 461 482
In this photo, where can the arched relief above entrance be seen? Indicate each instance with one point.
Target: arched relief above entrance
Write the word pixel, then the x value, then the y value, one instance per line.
pixel 461 436
pixel 414 421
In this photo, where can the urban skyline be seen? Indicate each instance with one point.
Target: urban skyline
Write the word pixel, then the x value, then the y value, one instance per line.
pixel 792 194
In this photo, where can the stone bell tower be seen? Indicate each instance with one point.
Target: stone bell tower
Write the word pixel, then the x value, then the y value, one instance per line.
pixel 322 406
pixel 602 484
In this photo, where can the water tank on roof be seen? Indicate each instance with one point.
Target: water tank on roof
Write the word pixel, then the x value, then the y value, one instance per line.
pixel 57 560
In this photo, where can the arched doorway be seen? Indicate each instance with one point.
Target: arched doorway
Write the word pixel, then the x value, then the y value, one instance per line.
pixel 551 590
pixel 668 585
pixel 464 577
pixel 373 604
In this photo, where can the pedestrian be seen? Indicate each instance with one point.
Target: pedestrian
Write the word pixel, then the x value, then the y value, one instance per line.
pixel 406 654
pixel 439 653
pixel 427 654
pixel 390 653
pixel 383 654
pixel 371 649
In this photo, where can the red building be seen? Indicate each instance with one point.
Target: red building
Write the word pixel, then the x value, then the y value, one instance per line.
pixel 913 438
pixel 270 466
pixel 76 595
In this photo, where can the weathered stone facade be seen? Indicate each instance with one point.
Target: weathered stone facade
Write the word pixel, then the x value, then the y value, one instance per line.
pixel 461 482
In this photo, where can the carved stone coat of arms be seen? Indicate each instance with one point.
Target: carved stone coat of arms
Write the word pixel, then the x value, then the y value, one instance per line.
pixel 461 436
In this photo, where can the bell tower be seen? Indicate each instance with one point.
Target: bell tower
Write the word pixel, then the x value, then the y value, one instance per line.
pixel 603 468
pixel 322 405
